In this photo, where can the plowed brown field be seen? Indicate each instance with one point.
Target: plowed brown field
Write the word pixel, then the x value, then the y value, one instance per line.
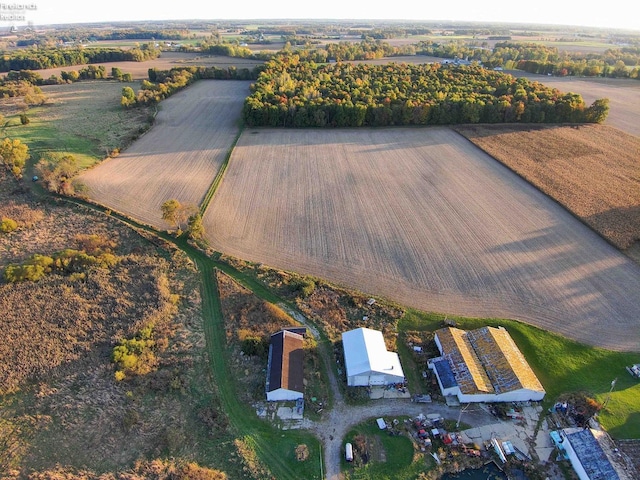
pixel 592 170
pixel 423 217
pixel 178 158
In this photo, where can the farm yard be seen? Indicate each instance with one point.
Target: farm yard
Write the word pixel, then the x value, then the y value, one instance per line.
pixel 425 218
pixel 177 159
pixel 459 225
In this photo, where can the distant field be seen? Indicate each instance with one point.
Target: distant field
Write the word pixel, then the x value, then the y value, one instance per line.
pixel 167 61
pixel 623 95
pixel 178 158
pixel 425 218
pixel 592 170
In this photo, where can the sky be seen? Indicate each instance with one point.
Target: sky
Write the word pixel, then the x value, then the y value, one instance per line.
pixel 610 14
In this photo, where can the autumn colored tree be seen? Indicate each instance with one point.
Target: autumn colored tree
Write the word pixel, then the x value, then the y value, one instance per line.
pixel 177 214
pixel 57 172
pixel 14 155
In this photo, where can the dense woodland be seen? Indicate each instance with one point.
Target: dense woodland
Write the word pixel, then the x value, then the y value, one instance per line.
pixel 294 93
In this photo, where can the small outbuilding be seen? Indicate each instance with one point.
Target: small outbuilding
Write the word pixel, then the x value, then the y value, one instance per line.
pixel 367 360
pixel 285 367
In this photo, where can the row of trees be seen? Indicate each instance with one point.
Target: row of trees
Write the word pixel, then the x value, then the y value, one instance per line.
pixel 295 93
pixel 25 82
pixel 164 83
pixel 38 59
pixel 53 38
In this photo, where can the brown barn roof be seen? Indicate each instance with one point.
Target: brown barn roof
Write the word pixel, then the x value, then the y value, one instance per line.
pixel 286 361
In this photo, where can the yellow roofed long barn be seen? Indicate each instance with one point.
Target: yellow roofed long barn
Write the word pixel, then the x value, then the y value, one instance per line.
pixel 483 365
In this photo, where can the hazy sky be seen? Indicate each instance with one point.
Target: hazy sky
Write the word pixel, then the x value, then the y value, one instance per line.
pixel 610 14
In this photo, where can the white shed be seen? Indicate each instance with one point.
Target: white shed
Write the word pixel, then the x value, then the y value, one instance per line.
pixel 367 360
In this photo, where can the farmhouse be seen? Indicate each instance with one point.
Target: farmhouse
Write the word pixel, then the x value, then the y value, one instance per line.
pixel 367 360
pixel 285 373
pixel 587 450
pixel 483 365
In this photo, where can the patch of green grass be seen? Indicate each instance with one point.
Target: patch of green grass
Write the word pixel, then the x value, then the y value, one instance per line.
pixel 400 461
pixel 84 119
pixel 42 136
pixel 563 365
pixel 412 371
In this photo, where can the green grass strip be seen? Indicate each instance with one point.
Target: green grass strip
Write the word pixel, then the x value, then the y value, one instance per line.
pixel 218 178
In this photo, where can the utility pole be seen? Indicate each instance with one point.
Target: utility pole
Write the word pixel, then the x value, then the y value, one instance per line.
pixel 460 414
pixel 606 400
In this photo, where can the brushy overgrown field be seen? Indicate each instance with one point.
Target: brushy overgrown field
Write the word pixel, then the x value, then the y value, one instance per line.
pixel 62 406
pixel 592 170
pixel 84 119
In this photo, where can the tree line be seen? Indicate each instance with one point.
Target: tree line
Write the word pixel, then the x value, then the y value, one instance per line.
pixel 621 62
pixel 294 93
pixel 164 83
pixel 39 59
pixel 79 34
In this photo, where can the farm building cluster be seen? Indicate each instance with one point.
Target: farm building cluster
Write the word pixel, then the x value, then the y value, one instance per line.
pixel 483 365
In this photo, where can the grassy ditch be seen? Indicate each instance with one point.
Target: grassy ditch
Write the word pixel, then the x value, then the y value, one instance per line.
pixel 564 366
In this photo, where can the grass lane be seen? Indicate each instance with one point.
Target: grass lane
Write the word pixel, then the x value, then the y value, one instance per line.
pixel 274 448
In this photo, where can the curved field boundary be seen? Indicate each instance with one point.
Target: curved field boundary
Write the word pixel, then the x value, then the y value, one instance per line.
pixel 179 157
pixel 425 218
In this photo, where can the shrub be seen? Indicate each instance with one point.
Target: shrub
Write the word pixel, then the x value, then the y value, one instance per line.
pixel 135 356
pixel 32 270
pixel 255 346
pixel 8 225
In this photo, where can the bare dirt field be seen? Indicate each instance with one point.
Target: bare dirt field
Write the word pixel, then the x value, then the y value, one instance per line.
pixel 177 158
pixel 592 170
pixel 425 218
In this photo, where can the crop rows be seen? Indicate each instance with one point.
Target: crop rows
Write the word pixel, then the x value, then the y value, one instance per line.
pixel 424 217
pixel 177 159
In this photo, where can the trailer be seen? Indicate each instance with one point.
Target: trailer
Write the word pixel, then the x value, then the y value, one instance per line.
pixel 348 452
